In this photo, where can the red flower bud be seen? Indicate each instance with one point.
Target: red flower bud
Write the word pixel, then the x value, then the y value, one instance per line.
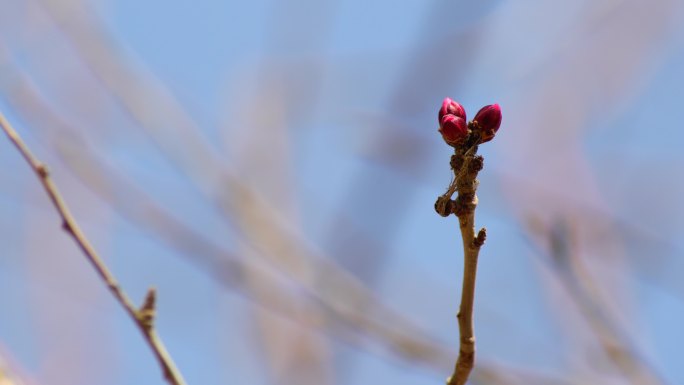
pixel 453 129
pixel 488 120
pixel 450 107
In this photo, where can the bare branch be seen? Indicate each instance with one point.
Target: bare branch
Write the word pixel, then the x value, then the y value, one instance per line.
pixel 143 318
pixel 465 164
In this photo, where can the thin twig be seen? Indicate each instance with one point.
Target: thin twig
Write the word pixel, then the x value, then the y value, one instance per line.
pixel 143 317
pixel 465 164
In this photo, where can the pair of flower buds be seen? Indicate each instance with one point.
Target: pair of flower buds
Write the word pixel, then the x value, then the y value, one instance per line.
pixel 453 127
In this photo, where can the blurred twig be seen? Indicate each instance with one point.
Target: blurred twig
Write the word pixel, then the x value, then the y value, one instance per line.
pixel 7 375
pixel 616 344
pixel 286 347
pixel 397 138
pixel 143 317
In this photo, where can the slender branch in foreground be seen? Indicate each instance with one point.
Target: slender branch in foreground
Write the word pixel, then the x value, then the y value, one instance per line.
pixel 143 317
pixel 466 164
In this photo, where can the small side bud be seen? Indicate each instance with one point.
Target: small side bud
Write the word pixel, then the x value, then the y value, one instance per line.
pixel 488 121
pixel 450 107
pixel 147 311
pixel 454 129
pixel 444 206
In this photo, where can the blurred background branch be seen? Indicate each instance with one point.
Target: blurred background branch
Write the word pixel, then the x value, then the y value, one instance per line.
pixel 8 374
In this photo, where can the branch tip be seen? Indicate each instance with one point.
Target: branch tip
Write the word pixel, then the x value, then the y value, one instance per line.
pixel 147 311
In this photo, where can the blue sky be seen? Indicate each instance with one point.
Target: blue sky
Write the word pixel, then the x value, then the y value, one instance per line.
pixel 327 111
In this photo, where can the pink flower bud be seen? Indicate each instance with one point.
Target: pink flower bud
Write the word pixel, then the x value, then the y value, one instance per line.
pixel 488 120
pixel 450 107
pixel 453 129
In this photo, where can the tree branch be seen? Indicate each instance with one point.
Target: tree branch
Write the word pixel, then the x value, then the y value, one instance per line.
pixel 466 164
pixel 143 317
